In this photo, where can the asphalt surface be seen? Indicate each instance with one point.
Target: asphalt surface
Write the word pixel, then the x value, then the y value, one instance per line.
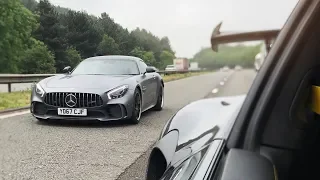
pixel 85 150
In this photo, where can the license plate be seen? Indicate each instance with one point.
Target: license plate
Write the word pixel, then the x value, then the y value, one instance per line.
pixel 72 112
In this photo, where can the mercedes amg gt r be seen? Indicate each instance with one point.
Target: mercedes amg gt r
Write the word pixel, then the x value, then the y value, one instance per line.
pixel 100 88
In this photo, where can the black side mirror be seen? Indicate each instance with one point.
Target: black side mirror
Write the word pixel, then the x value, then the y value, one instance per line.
pixel 150 70
pixel 67 69
pixel 247 165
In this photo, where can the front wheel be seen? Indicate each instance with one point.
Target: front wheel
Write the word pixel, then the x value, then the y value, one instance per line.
pixel 160 100
pixel 136 111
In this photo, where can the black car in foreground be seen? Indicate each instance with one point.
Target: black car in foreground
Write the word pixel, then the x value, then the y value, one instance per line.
pixel 270 133
pixel 100 88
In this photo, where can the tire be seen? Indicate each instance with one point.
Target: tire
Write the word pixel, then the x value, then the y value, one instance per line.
pixel 152 172
pixel 136 109
pixel 160 100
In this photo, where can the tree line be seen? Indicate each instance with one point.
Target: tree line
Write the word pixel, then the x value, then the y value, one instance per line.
pixel 38 37
pixel 227 56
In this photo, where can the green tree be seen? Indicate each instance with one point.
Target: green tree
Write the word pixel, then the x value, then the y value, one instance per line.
pixel 81 32
pixel 122 36
pixel 108 46
pixel 150 42
pixel 137 52
pixel 146 56
pixel 227 56
pixel 87 34
pixel 51 32
pixel 16 26
pixel 61 10
pixel 38 60
pixel 149 59
pixel 73 57
pixel 166 58
pixel 30 4
pixel 165 45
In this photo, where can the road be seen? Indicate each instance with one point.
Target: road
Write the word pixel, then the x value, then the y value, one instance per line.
pixel 65 150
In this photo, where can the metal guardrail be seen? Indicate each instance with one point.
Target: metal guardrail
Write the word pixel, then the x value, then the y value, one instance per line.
pixel 177 72
pixel 10 79
pixel 21 78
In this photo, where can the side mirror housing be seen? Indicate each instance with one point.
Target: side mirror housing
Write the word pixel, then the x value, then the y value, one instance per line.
pixel 150 70
pixel 67 69
pixel 247 165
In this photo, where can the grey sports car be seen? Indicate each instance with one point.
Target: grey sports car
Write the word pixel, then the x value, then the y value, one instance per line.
pixel 100 88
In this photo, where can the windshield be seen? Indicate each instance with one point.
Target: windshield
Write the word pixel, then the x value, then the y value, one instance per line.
pixel 107 67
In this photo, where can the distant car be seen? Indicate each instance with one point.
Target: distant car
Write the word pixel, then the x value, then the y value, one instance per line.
pixel 225 69
pixel 237 68
pixel 170 68
pixel 100 88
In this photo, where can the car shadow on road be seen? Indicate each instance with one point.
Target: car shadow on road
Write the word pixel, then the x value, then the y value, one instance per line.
pixel 85 123
pixel 93 124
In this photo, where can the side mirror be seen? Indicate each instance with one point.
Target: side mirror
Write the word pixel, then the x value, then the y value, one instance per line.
pixel 150 70
pixel 67 69
pixel 247 165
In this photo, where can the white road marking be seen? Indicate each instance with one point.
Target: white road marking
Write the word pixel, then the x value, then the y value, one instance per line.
pixel 14 114
pixel 215 90
pixel 221 83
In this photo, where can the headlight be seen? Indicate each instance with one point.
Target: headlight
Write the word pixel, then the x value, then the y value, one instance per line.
pixel 39 90
pixel 118 92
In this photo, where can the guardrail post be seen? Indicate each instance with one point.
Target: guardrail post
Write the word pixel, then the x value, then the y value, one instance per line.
pixel 9 87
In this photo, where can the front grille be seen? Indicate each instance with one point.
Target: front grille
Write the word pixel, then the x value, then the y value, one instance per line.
pixel 83 99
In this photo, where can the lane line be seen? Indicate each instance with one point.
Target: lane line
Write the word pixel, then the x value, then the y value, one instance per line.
pixel 14 114
pixel 215 90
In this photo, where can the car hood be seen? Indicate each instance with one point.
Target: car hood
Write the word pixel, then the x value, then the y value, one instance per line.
pixel 203 115
pixel 85 81
pixel 198 124
pixel 195 130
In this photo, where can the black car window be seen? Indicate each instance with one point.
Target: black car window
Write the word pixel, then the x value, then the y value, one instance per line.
pixel 107 67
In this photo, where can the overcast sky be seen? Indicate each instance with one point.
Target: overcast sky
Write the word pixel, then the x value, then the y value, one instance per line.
pixel 189 23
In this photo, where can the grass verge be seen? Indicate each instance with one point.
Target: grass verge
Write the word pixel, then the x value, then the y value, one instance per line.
pixel 14 100
pixel 173 77
pixel 22 98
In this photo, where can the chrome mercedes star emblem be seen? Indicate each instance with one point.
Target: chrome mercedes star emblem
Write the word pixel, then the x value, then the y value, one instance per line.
pixel 71 100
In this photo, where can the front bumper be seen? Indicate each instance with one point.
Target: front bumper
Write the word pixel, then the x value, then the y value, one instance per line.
pixel 116 109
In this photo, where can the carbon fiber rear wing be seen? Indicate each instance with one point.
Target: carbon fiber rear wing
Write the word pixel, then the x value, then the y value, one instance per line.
pixel 221 38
